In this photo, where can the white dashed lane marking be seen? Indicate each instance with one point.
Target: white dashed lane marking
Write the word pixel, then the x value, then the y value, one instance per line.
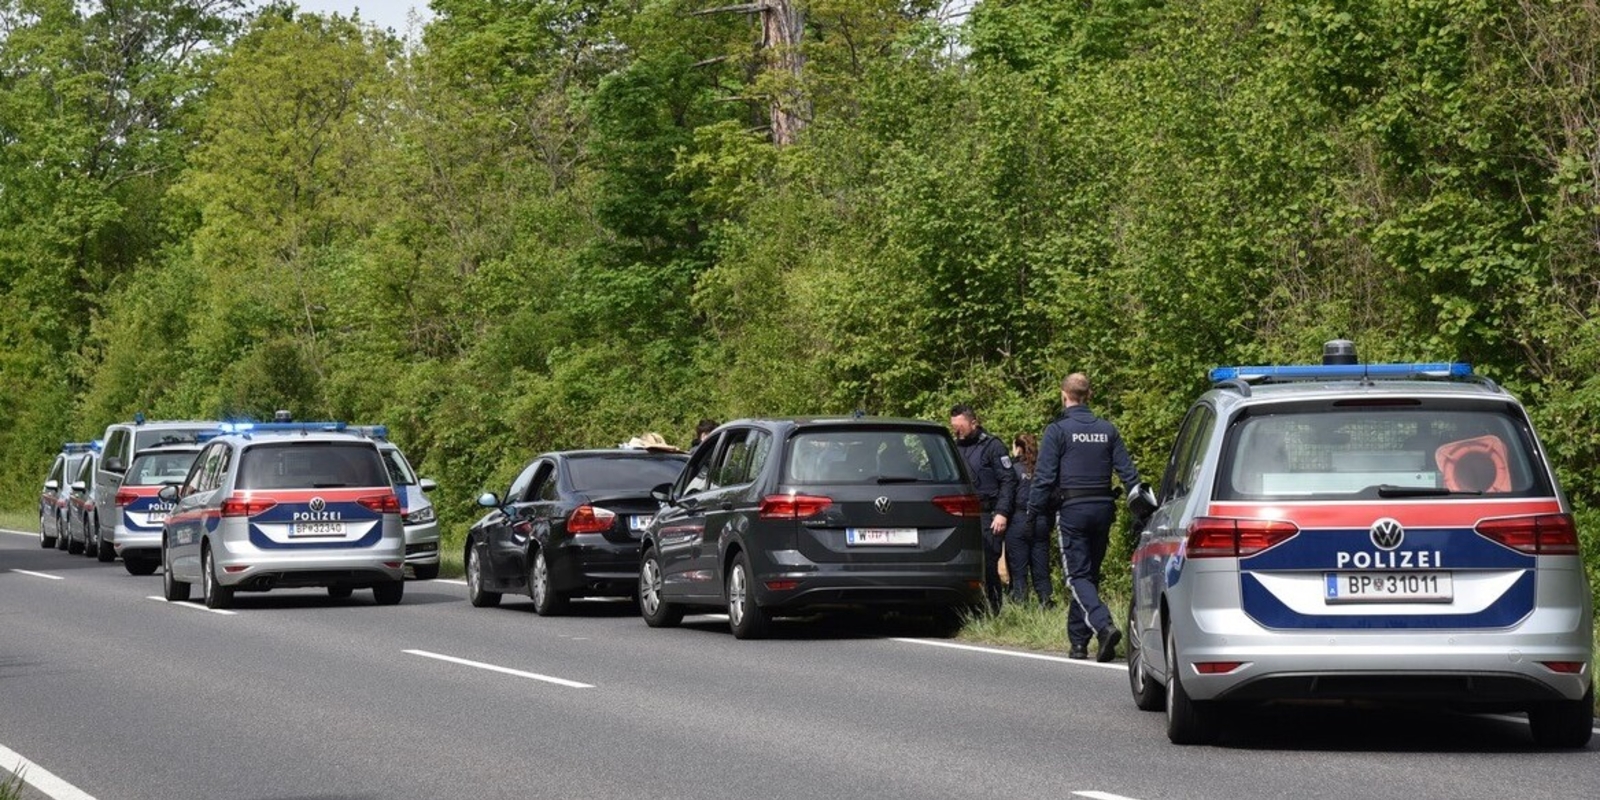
pixel 38 574
pixel 502 670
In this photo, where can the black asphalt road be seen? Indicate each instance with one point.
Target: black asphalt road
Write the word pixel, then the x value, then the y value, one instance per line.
pixel 297 696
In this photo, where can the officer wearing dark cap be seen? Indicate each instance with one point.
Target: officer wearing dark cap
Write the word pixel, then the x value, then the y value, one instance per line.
pixel 1076 461
pixel 996 483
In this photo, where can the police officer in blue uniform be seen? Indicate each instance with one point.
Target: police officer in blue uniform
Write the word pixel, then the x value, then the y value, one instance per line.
pixel 1076 461
pixel 996 484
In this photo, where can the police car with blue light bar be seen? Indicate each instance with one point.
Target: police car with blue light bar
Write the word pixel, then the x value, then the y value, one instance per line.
pixel 1391 533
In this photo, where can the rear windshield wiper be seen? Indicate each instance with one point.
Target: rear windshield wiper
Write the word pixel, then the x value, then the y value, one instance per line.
pixel 1390 490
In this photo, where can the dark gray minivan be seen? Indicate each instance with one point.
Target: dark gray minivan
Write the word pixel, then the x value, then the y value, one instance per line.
pixel 780 516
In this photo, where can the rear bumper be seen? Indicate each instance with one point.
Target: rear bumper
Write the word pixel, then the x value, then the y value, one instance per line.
pixel 590 565
pixel 248 568
pixel 958 582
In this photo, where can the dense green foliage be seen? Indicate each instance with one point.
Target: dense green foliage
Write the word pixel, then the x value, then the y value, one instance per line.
pixel 553 223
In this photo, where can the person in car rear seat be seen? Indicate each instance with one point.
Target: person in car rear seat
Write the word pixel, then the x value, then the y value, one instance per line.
pixel 996 484
pixel 1076 461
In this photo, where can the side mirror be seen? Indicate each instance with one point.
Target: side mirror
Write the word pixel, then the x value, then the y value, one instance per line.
pixel 662 492
pixel 79 487
pixel 427 485
pixel 169 493
pixel 51 486
pixel 114 464
pixel 489 500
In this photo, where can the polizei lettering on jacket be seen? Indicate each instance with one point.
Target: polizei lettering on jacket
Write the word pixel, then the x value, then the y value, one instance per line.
pixel 1397 559
pixel 1101 438
pixel 318 516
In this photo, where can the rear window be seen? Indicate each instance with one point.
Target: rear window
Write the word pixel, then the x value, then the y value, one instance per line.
pixel 1413 451
pixel 311 465
pixel 156 438
pixel 615 473
pixel 870 456
pixel 157 469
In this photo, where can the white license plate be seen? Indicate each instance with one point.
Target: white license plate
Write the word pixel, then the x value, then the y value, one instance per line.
pixel 885 536
pixel 1388 587
pixel 316 529
pixel 156 516
pixel 639 523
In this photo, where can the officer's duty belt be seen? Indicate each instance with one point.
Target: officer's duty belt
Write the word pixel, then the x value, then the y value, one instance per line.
pixel 1065 495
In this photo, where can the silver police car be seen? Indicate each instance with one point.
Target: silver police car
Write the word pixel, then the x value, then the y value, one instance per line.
pixel 284 505
pixel 416 510
pixel 1355 532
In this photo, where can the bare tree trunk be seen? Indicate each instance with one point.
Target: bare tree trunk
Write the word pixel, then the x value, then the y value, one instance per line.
pixel 781 28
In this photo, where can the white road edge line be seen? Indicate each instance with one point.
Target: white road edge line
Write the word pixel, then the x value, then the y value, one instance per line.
pixel 40 778
pixel 38 574
pixel 503 670
pixel 19 533
pixel 1013 653
pixel 189 604
pixel 1522 720
pixel 1093 795
pixel 446 580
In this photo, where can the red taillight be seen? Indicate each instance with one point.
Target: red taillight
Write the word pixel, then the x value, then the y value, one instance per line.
pixel 959 505
pixel 245 507
pixel 1216 667
pixel 1540 534
pixel 792 506
pixel 1564 667
pixel 1221 537
pixel 590 519
pixel 782 586
pixel 125 497
pixel 236 569
pixel 385 503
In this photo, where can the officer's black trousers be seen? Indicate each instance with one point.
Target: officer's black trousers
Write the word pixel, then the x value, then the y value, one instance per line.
pixel 1085 532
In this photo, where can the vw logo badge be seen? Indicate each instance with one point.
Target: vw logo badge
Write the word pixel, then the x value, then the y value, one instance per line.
pixel 1387 534
pixel 317 504
pixel 882 504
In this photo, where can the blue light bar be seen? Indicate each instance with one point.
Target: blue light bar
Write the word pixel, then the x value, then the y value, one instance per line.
pixel 371 431
pixel 1335 372
pixel 72 448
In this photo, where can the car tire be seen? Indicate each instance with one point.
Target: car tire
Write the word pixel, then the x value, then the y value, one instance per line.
pixel 1188 722
pixel 104 552
pixel 949 620
pixel 657 611
pixel 174 590
pixel 1147 694
pixel 547 602
pixel 91 544
pixel 217 596
pixel 1567 725
pixel 340 592
pixel 45 542
pixel 389 594
pixel 63 536
pixel 75 546
pixel 140 565
pixel 475 591
pixel 745 616
pixel 425 572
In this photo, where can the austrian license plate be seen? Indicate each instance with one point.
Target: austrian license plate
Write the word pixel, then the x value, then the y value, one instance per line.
pixel 156 516
pixel 883 536
pixel 640 522
pixel 316 529
pixel 1388 587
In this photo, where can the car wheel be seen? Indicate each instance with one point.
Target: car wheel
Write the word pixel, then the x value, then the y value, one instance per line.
pixel 171 588
pixel 1566 724
pixel 425 572
pixel 389 594
pixel 653 605
pixel 745 616
pixel 63 536
pixel 46 541
pixel 1147 694
pixel 74 545
pixel 475 590
pixel 104 552
pixel 140 565
pixel 340 592
pixel 91 542
pixel 547 602
pixel 217 595
pixel 1188 722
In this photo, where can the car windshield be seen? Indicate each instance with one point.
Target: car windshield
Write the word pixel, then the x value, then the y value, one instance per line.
pixel 400 473
pixel 311 465
pixel 1418 450
pixel 155 469
pixel 155 438
pixel 600 473
pixel 870 456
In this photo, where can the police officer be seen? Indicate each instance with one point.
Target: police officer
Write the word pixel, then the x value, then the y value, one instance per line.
pixel 996 483
pixel 1028 534
pixel 1076 461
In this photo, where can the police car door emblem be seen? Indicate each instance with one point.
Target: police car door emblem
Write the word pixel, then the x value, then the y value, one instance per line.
pixel 882 504
pixel 1387 534
pixel 317 504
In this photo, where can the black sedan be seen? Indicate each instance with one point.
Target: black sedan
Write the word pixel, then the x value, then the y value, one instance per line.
pixel 568 526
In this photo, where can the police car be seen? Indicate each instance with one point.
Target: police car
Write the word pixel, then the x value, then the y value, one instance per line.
pixel 416 510
pixel 138 512
pixel 138 544
pixel 1355 532
pixel 53 497
pixel 284 505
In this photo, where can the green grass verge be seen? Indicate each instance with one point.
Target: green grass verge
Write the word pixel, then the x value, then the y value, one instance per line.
pixel 19 521
pixel 11 787
pixel 1030 627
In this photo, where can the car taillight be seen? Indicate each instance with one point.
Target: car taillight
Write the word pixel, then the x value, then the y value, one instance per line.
pixel 1540 534
pixel 792 506
pixel 124 497
pixel 385 503
pixel 590 519
pixel 959 505
pixel 245 507
pixel 1221 537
